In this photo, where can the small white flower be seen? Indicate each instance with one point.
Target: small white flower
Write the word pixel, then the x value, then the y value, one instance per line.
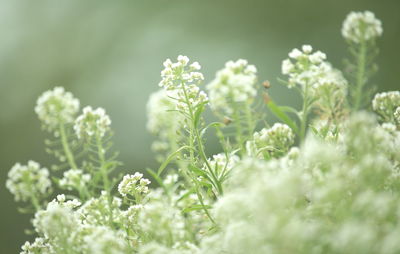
pixel 28 181
pixel 92 123
pixel 133 184
pixel 55 107
pixel 306 48
pixel 295 53
pixel 233 84
pixel 361 26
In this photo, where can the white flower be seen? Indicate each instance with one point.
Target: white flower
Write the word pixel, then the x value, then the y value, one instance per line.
pixel 55 107
pixel 386 103
pixel 397 115
pixel 306 48
pixel 103 240
pixel 295 53
pixel 74 179
pixel 133 184
pixel 274 141
pixel 361 26
pixel 180 81
pixel 28 181
pixel 233 84
pixel 92 123
pixel 222 163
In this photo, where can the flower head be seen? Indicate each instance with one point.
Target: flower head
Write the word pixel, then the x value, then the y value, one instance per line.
pixel 274 141
pixel 55 107
pixel 233 84
pixel 28 181
pixel 92 123
pixel 74 179
pixel 181 81
pixel 133 185
pixel 386 103
pixel 361 26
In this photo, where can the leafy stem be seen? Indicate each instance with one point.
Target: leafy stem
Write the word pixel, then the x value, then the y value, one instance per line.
pixel 66 147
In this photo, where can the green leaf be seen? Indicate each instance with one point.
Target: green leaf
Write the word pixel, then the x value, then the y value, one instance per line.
pixel 169 159
pixel 278 112
pixel 157 178
pixel 196 208
pixel 197 114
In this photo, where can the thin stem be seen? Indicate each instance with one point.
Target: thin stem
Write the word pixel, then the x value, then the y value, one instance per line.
pixel 304 113
pixel 360 78
pixel 67 150
pixel 103 168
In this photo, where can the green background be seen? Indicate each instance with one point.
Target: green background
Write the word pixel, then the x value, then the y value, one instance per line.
pixel 110 54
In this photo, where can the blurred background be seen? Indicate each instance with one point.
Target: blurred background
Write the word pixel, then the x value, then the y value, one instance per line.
pixel 110 54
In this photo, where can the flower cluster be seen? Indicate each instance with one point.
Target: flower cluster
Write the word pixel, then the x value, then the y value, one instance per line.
pixel 181 82
pixel 397 115
pixel 361 26
pixel 385 104
pixel 92 123
pixel 29 181
pixel 163 121
pixel 311 69
pixel 274 141
pixel 233 84
pixel 55 107
pixel 323 184
pixel 223 163
pixel 133 185
pixel 74 179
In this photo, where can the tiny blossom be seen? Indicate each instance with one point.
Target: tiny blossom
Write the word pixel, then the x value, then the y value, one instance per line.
pixel 162 120
pixel 386 103
pixel 397 115
pixel 55 107
pixel 74 179
pixel 275 140
pixel 40 245
pixel 233 84
pixel 223 163
pixel 92 122
pixel 361 26
pixel 177 73
pixel 181 83
pixel 103 240
pixel 28 181
pixel 133 184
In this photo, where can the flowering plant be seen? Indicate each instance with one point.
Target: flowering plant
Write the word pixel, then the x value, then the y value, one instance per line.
pixel 323 180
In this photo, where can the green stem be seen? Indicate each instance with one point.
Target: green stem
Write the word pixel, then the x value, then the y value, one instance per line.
pixel 304 114
pixel 360 78
pixel 67 150
pixel 103 168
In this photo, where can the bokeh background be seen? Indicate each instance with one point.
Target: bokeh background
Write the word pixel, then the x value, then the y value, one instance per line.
pixel 110 53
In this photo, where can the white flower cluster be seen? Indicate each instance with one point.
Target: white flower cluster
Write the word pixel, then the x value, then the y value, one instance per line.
pixel 38 246
pixel 133 185
pixel 233 84
pixel 274 141
pixel 223 163
pixel 284 208
pixel 361 26
pixel 92 123
pixel 55 107
pixel 311 69
pixel 28 181
pixel 181 81
pixel 103 240
pixel 163 121
pixel 74 179
pixel 397 115
pixel 161 115
pixel 386 103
